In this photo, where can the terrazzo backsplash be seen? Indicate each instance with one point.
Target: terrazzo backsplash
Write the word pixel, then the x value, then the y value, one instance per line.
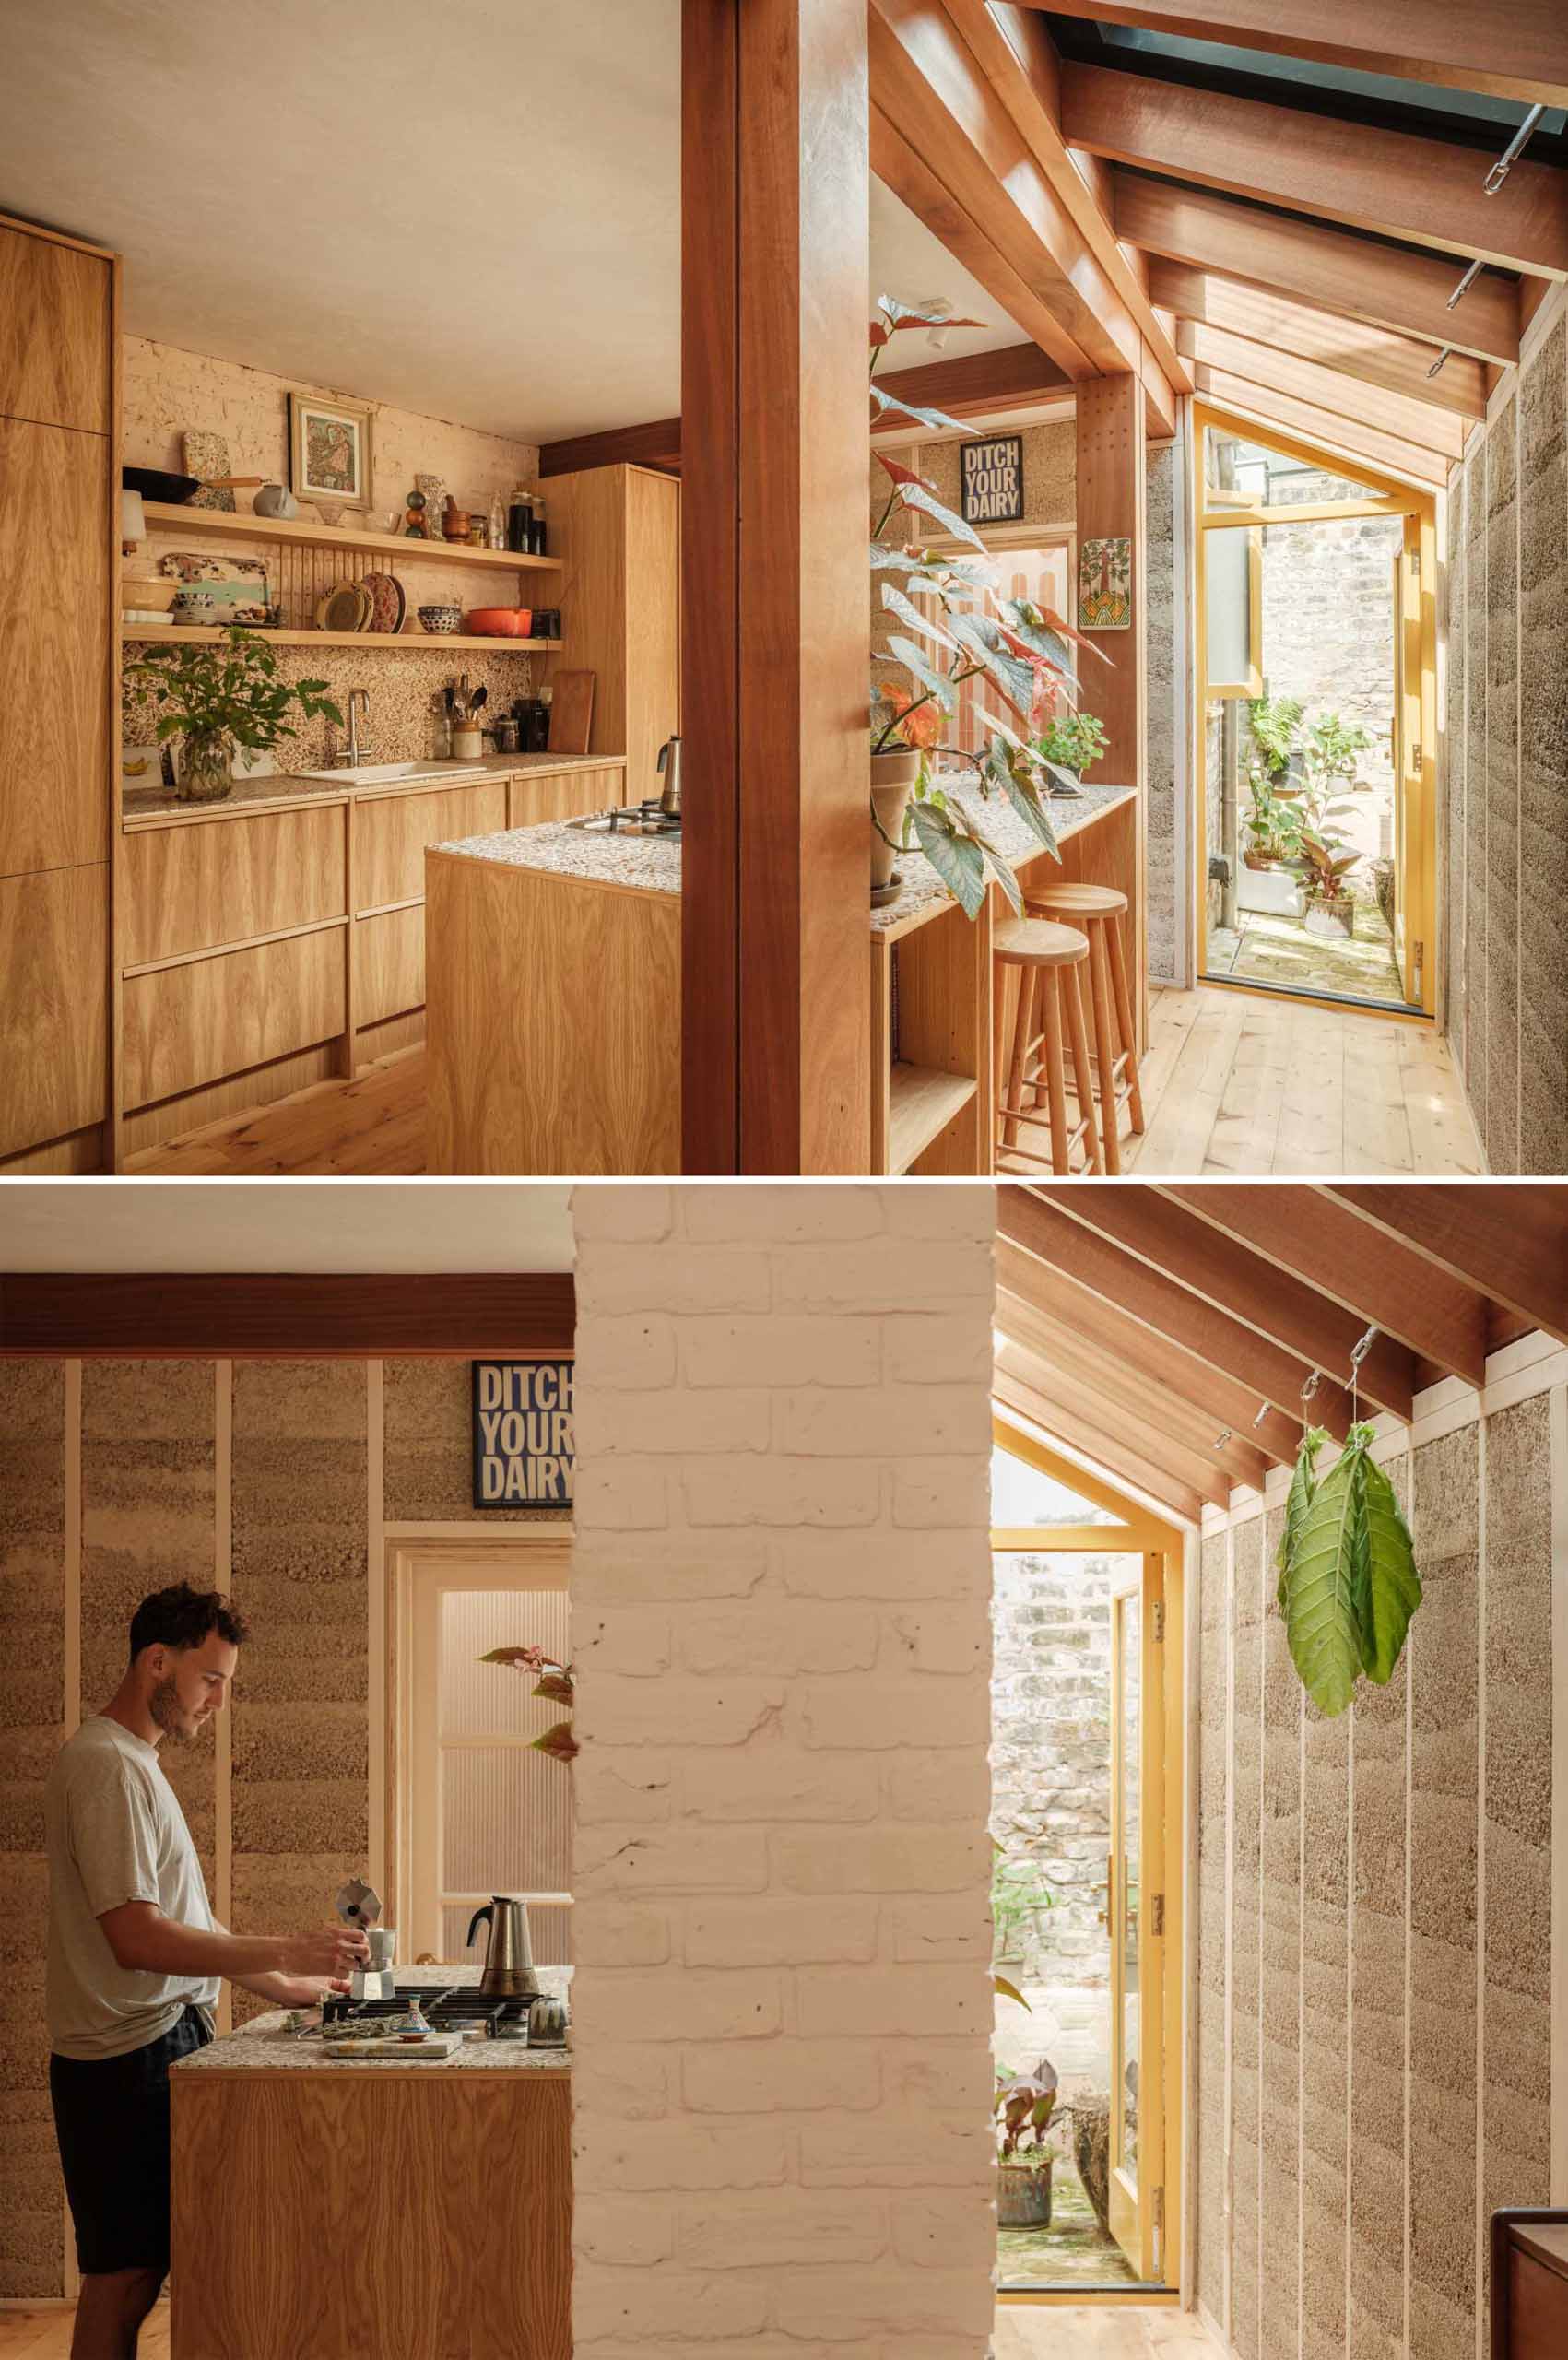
pixel 139 1458
pixel 168 390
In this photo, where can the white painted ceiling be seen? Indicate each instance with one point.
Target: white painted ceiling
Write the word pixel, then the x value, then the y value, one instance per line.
pixel 469 209
pixel 286 1226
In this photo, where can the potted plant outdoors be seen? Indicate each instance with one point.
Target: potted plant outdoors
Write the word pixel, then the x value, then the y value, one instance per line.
pixel 1330 751
pixel 1327 868
pixel 222 696
pixel 1273 826
pixel 1023 2106
pixel 962 630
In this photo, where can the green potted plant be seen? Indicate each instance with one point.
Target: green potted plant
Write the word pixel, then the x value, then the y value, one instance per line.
pixel 1327 868
pixel 956 628
pixel 1273 826
pixel 221 696
pixel 1022 2108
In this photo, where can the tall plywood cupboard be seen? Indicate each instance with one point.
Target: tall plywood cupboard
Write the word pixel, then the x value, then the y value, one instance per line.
pixel 618 532
pixel 59 693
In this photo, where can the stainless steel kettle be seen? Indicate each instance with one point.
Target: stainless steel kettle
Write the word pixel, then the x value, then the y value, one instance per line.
pixel 509 1956
pixel 669 763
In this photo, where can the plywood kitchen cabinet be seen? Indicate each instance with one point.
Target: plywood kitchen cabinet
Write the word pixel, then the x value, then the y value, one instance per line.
pixel 59 691
pixel 212 881
pixel 205 1019
pixel 618 531
pixel 392 830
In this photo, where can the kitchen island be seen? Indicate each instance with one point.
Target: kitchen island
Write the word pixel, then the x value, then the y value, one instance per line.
pixel 553 995
pixel 370 2209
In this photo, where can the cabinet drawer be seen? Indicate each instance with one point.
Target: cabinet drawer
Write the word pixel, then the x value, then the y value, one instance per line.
pixel 187 1025
pixel 566 795
pixel 53 333
pixel 53 1004
pixel 389 965
pixel 392 830
pixel 54 648
pixel 189 887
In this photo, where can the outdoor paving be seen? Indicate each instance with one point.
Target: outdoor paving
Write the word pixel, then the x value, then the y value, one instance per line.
pixel 1268 949
pixel 1071 2251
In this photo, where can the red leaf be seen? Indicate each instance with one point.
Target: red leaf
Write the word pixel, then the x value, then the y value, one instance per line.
pixel 900 474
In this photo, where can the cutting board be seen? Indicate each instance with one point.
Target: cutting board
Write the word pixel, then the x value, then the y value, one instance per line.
pixel 435 2050
pixel 572 712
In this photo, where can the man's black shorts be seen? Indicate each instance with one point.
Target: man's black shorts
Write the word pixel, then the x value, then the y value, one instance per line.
pixel 111 2120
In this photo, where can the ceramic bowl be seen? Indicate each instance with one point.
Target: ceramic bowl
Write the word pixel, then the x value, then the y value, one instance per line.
pixel 441 619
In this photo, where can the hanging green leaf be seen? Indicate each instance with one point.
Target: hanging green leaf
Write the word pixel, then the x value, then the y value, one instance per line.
pixel 1392 1589
pixel 1298 1501
pixel 1328 1569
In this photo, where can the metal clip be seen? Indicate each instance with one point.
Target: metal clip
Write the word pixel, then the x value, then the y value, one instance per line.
pixel 1511 154
pixel 1463 287
pixel 1362 1349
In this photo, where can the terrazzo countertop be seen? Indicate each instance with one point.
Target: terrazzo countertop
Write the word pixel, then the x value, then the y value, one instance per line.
pixel 651 864
pixel 264 2046
pixel 144 803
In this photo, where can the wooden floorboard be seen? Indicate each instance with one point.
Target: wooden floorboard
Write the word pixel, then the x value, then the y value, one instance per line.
pixel 1099 2331
pixel 44 2333
pixel 1234 1085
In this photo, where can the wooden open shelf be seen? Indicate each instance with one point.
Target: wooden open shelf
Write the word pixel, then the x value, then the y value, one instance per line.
pixel 921 1104
pixel 170 515
pixel 200 634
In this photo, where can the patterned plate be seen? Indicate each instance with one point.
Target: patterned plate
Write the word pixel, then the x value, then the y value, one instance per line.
pixel 386 602
pixel 347 607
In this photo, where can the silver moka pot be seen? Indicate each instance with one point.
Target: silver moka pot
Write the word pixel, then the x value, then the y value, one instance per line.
pixel 509 1956
pixel 669 764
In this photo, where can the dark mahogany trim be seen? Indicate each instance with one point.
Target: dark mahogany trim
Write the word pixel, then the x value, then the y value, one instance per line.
pixel 654 445
pixel 176 1315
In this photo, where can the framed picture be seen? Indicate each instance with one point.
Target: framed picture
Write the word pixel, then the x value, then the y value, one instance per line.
pixel 991 479
pixel 1104 586
pixel 331 459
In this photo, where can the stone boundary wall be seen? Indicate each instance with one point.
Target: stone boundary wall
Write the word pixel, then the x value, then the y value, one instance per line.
pixel 781 1600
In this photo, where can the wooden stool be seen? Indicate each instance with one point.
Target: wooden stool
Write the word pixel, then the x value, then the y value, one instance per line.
pixel 1099 909
pixel 1048 958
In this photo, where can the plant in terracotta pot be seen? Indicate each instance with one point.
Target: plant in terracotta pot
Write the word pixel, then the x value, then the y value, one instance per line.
pixel 220 696
pixel 955 628
pixel 1023 2106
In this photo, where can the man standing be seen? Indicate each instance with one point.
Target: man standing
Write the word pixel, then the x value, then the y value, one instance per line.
pixel 136 1955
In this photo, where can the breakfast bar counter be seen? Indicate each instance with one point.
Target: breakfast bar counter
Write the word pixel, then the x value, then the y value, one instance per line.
pixel 553 994
pixel 370 2209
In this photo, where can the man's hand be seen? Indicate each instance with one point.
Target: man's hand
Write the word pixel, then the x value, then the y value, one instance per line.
pixel 303 1990
pixel 333 1953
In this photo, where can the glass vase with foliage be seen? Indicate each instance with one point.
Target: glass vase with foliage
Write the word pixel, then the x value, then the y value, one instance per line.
pixel 219 696
pixel 952 626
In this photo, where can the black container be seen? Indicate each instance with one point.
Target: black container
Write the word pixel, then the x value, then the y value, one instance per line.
pixel 540 728
pixel 519 527
pixel 538 533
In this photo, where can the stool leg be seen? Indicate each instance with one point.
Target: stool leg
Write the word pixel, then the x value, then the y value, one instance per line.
pixel 1104 1043
pixel 1049 982
pixel 1080 1039
pixel 1022 1021
pixel 1125 1020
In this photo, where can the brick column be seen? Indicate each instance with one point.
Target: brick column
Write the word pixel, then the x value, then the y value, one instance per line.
pixel 781 1625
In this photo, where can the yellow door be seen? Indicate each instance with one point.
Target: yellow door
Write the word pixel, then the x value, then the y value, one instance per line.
pixel 1413 753
pixel 1136 1910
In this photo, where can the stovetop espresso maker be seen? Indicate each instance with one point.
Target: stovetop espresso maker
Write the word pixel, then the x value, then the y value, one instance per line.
pixel 509 1954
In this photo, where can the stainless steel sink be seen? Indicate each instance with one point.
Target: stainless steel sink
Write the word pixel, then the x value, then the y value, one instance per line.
pixel 387 774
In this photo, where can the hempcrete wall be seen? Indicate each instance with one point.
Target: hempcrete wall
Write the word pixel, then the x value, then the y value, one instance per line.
pixel 148 1509
pixel 1405 1917
pixel 1505 834
pixel 782 1586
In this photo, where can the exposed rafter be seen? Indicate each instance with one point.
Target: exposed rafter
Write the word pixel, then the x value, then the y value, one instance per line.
pixel 1367 407
pixel 1387 452
pixel 1516 1248
pixel 1336 1250
pixel 1396 183
pixel 1138 1459
pixel 1331 268
pixel 1461 48
pixel 1353 348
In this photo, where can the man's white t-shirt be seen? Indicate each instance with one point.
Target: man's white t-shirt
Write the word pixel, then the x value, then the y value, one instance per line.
pixel 114 1832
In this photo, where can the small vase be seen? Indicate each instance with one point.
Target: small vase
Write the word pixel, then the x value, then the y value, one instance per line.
pixel 892 783
pixel 206 775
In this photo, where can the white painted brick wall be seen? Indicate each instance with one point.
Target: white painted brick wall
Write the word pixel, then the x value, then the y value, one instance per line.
pixel 781 1598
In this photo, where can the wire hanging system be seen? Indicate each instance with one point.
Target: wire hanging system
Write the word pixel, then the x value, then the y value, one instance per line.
pixel 1512 153
pixel 1220 1439
pixel 1465 285
pixel 1262 1413
pixel 1310 1387
pixel 1447 354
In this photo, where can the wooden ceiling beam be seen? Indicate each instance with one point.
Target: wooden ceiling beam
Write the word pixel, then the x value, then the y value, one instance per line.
pixel 654 445
pixel 1303 1231
pixel 174 1315
pixel 1234 1280
pixel 926 84
pixel 1370 407
pixel 1269 1371
pixel 1399 183
pixel 1308 424
pixel 1447 41
pixel 1127 1394
pixel 1136 1459
pixel 900 166
pixel 1025 1284
pixel 1318 265
pixel 1015 52
pixel 1510 1241
pixel 1350 348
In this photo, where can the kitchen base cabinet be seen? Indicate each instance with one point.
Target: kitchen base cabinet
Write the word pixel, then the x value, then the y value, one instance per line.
pixel 53 1018
pixel 375 2214
pixel 195 1023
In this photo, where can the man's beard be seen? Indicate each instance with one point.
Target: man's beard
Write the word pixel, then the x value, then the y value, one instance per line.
pixel 170 1714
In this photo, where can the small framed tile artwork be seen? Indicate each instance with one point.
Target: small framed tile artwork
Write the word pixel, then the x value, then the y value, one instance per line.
pixel 331 454
pixel 1105 584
